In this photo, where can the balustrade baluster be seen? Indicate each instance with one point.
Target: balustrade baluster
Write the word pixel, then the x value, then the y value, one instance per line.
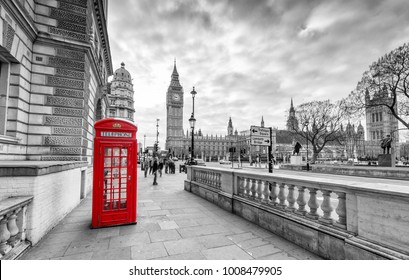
pixel 313 204
pixel 301 201
pixel 259 190
pixel 281 196
pixel 326 207
pixel 266 192
pixel 291 198
pixel 341 211
pixel 244 187
pixel 252 188
pixel 13 228
pixel 4 235
pixel 22 223
pixel 273 193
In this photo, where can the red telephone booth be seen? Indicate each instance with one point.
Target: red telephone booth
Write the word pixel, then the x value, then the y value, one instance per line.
pixel 115 166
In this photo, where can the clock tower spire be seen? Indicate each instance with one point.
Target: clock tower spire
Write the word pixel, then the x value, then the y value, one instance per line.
pixel 174 114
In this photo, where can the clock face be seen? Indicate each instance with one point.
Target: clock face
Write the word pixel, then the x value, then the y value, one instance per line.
pixel 176 97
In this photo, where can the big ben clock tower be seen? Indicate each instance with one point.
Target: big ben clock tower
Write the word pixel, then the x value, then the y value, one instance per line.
pixel 174 115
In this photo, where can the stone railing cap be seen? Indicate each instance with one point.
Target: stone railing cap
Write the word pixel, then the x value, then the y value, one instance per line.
pixel 37 168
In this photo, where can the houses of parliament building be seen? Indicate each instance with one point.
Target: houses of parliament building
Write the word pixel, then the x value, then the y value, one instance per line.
pixel 379 122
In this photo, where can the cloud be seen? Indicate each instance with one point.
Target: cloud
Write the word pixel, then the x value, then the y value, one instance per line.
pixel 248 58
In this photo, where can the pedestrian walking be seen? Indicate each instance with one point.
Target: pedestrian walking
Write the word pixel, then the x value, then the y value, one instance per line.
pixel 160 167
pixel 166 166
pixel 146 166
pixel 150 165
pixel 155 170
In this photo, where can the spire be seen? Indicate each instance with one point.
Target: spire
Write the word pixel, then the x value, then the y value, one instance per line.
pixel 262 121
pixel 292 106
pixel 175 71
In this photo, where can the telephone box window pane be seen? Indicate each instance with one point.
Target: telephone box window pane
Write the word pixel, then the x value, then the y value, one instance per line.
pixel 116 161
pixel 123 172
pixel 123 204
pixel 124 151
pixel 107 174
pixel 124 161
pixel 116 152
pixel 106 205
pixel 115 172
pixel 115 183
pixel 108 152
pixel 107 162
pixel 115 204
pixel 116 195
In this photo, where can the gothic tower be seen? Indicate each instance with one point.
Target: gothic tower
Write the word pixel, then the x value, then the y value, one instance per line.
pixel 230 127
pixel 292 121
pixel 174 114
pixel 379 120
pixel 262 121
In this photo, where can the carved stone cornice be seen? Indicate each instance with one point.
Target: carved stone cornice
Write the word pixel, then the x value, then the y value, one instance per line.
pixel 102 27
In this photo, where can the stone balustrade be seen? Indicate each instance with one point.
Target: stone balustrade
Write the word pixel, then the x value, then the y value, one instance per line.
pixel 13 224
pixel 335 218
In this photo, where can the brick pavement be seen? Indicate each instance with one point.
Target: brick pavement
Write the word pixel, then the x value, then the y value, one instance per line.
pixel 171 224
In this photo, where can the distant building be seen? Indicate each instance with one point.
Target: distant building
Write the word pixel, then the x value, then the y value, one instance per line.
pixel 211 147
pixel 121 95
pixel 379 123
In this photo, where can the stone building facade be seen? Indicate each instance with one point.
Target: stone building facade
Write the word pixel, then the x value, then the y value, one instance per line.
pixel 121 95
pixel 211 147
pixel 55 60
pixel 54 63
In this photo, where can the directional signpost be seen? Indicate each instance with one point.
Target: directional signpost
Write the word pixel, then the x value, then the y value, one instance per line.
pixel 261 136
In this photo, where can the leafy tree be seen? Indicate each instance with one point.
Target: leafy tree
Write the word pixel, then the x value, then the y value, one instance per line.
pixel 319 123
pixel 386 83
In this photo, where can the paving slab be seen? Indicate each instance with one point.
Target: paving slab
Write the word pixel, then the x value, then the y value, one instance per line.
pixel 172 224
pixel 148 251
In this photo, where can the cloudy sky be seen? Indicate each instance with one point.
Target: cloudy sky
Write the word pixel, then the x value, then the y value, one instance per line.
pixel 247 58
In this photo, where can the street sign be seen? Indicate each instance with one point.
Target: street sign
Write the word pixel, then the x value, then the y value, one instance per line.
pixel 260 136
pixel 260 141
pixel 260 131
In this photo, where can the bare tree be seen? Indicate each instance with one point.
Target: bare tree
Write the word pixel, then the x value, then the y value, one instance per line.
pixel 319 123
pixel 386 83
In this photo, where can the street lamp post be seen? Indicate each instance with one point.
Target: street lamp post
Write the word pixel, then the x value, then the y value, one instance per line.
pixel 306 136
pixel 192 122
pixel 157 134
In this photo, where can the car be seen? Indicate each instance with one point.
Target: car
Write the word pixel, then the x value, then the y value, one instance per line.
pixel 196 161
pixel 175 159
pixel 222 161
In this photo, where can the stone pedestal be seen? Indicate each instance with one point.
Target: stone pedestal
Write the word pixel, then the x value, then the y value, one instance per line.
pixel 385 160
pixel 296 160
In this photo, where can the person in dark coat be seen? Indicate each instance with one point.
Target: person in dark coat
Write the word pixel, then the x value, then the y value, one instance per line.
pixel 155 170
pixel 160 167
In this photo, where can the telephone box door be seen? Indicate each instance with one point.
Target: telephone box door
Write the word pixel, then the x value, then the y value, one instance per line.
pixel 117 195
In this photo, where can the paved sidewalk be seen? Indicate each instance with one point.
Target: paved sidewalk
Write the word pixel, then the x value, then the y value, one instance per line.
pixel 172 224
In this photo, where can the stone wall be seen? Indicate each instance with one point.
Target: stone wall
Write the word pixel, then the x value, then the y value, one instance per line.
pixel 335 219
pixel 55 186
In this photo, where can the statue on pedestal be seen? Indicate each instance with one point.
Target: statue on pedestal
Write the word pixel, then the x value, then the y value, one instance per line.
pixel 386 144
pixel 297 148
